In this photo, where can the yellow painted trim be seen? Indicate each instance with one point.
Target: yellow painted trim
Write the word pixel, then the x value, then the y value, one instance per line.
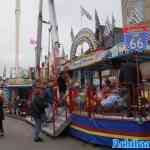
pixel 109 134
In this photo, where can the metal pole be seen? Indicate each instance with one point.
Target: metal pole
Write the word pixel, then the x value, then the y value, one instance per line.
pixel 139 105
pixel 17 13
pixel 38 49
pixel 48 53
pixel 54 30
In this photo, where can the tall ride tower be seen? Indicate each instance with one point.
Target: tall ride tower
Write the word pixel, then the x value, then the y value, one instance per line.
pixel 54 38
pixel 54 25
pixel 38 49
pixel 54 33
pixel 17 13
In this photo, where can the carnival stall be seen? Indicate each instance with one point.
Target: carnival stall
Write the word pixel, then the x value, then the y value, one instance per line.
pixel 102 107
pixel 21 94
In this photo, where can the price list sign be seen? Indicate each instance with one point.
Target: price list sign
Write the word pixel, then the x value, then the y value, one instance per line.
pixel 136 37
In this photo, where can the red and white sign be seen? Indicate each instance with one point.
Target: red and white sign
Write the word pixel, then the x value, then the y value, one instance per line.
pixel 136 28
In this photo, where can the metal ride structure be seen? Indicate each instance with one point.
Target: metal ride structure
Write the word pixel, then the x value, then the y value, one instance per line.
pixel 17 13
pixel 59 121
pixel 38 48
pixel 54 32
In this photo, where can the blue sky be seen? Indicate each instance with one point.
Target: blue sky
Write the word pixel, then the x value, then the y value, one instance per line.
pixel 68 14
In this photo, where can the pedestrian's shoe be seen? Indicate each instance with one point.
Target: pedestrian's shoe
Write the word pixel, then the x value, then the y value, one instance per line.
pixel 2 134
pixel 38 139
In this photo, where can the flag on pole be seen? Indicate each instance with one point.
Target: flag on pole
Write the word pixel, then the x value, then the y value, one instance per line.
pixel 86 13
pixel 72 34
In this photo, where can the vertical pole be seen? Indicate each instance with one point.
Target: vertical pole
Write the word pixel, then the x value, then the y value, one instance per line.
pixel 54 111
pixel 139 105
pixel 54 30
pixel 81 20
pixel 55 44
pixel 17 13
pixel 38 49
pixel 49 31
pixel 48 55
pixel 100 79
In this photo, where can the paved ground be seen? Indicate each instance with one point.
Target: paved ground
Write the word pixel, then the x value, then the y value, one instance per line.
pixel 19 137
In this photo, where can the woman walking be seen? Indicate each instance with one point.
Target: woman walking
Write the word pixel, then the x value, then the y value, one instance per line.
pixel 1 114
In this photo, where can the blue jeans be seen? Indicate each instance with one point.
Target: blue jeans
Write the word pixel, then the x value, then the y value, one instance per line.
pixel 49 112
pixel 37 127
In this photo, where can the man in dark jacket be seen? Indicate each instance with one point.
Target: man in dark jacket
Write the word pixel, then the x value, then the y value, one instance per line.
pixel 1 116
pixel 38 112
pixel 61 84
pixel 62 88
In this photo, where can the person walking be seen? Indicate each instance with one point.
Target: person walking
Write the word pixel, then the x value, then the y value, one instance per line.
pixel 1 114
pixel 38 106
pixel 61 84
pixel 62 89
pixel 16 105
pixel 49 96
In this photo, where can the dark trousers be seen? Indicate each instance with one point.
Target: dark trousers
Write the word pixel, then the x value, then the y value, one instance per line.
pixel 37 128
pixel 1 126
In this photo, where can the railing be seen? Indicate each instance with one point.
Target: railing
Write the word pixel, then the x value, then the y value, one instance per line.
pixel 59 103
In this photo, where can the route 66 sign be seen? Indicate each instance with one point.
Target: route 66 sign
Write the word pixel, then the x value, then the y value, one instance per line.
pixel 136 41
pixel 136 37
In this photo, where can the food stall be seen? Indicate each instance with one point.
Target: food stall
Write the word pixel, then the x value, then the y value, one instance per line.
pixel 20 89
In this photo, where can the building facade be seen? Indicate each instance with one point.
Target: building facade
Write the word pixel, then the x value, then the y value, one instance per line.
pixel 131 10
pixel 135 11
